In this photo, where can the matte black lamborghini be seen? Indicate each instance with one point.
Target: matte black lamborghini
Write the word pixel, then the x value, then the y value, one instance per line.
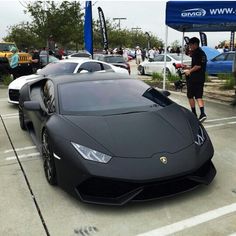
pixel 109 139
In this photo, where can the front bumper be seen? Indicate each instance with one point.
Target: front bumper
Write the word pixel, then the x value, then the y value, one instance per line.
pixel 114 192
pixel 137 179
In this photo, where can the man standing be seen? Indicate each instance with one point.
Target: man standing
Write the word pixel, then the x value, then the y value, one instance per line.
pixel 196 77
pixel 138 54
pixel 14 60
pixel 35 61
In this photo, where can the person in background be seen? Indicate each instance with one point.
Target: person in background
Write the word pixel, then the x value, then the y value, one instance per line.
pixel 125 54
pixel 35 61
pixel 14 60
pixel 138 55
pixel 151 53
pixel 196 77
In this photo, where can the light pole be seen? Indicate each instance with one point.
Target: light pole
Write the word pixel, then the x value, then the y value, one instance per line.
pixel 119 19
pixel 148 36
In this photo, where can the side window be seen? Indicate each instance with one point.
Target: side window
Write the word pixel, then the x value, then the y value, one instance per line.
pixel 159 58
pixel 221 57
pixel 230 57
pixel 90 66
pixel 167 59
pixel 107 67
pixel 74 55
pixel 49 96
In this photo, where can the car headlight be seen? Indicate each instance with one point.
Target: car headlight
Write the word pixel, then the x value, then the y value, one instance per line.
pixel 90 154
pixel 200 138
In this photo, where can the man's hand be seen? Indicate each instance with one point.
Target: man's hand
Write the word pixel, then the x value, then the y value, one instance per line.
pixel 186 67
pixel 187 72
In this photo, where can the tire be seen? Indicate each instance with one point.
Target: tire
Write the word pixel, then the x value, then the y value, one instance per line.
pixel 167 72
pixel 142 71
pixel 22 119
pixel 48 160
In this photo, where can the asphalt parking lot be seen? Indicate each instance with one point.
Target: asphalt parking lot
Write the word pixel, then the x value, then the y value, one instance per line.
pixel 29 206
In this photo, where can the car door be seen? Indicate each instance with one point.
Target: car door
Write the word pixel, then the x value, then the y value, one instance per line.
pixel 156 65
pixel 228 63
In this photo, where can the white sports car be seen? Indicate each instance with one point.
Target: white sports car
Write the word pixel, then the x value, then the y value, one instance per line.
pixel 158 63
pixel 68 66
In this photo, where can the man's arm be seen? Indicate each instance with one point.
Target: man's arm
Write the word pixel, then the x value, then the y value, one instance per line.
pixel 190 71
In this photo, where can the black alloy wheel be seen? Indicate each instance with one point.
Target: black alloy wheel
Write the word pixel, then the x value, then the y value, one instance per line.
pixel 48 160
pixel 142 71
pixel 167 72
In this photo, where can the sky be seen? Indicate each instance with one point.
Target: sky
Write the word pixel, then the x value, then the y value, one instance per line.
pixel 147 15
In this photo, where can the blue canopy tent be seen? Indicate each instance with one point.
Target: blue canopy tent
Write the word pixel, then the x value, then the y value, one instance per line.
pixel 197 16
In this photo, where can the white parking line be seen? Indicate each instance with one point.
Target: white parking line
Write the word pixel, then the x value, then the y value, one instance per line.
pixel 220 119
pixel 190 222
pixel 222 124
pixel 9 115
pixel 19 149
pixel 22 156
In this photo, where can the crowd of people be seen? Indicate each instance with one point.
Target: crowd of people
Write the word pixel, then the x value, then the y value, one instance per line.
pixel 35 62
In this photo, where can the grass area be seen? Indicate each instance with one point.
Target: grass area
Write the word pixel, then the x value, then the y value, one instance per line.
pixel 6 79
pixel 229 81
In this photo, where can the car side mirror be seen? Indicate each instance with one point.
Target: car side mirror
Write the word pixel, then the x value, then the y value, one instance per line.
pixel 83 71
pixel 166 93
pixel 38 71
pixel 32 106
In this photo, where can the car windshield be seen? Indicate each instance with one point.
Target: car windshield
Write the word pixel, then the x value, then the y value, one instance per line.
pixel 114 59
pixel 50 59
pixel 6 46
pixel 58 68
pixel 108 97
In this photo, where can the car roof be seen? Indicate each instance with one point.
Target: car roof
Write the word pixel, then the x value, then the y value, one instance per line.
pixel 75 60
pixel 108 55
pixel 92 76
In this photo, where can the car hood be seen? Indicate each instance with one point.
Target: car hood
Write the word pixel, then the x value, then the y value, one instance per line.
pixel 21 81
pixel 139 135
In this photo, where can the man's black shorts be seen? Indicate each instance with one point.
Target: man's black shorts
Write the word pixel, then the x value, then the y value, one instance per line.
pixel 194 90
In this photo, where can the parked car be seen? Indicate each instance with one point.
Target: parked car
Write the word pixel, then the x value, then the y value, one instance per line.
pixel 44 60
pixel 222 63
pixel 109 139
pixel 114 59
pixel 83 54
pixel 157 65
pixel 68 66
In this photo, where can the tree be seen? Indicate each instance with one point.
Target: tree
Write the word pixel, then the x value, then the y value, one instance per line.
pixel 22 35
pixel 61 21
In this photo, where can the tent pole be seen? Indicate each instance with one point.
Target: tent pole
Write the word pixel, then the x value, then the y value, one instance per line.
pixel 182 49
pixel 164 76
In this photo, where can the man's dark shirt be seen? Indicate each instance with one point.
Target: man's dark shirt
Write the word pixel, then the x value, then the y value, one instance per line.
pixel 36 56
pixel 198 58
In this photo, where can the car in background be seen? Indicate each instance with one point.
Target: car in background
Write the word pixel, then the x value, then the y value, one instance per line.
pixel 44 60
pixel 89 128
pixel 114 59
pixel 223 63
pixel 157 65
pixel 59 67
pixel 80 54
